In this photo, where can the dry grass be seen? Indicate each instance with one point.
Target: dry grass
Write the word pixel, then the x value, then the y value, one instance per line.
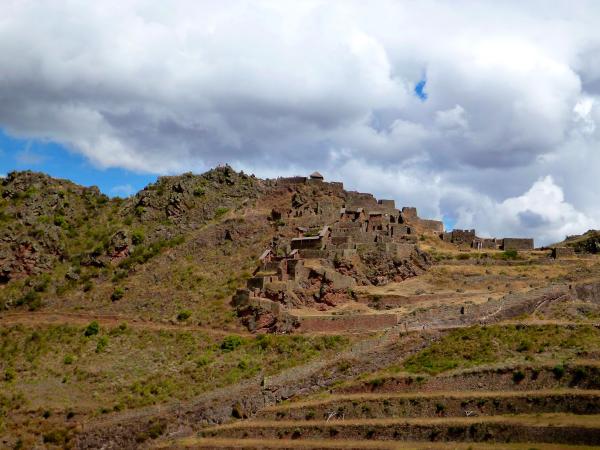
pixel 215 443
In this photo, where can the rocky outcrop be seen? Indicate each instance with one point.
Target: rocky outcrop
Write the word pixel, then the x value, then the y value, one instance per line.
pixel 381 267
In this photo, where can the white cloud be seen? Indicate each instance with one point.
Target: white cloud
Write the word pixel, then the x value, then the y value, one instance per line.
pixel 541 212
pixel 289 87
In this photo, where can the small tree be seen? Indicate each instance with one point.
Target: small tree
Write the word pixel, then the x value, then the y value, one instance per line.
pixel 92 329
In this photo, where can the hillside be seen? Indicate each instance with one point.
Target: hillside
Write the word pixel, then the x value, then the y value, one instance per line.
pixel 203 309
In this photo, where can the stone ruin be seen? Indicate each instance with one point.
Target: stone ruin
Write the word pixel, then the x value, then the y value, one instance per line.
pixel 470 239
pixel 370 242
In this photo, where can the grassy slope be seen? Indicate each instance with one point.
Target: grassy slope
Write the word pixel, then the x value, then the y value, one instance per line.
pixel 51 377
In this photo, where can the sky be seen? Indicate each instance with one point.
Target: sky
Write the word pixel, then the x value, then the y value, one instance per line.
pixel 482 113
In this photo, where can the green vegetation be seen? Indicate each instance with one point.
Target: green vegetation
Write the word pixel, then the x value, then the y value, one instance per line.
pixel 510 254
pixel 184 315
pixel 221 211
pixel 117 294
pixel 137 237
pixel 142 254
pixel 92 329
pixel 474 346
pixel 126 368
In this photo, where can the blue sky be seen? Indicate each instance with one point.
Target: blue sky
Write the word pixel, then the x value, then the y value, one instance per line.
pixel 420 89
pixel 59 162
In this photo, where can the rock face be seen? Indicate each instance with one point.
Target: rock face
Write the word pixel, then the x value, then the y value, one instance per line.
pixel 189 199
pixel 38 215
pixel 382 268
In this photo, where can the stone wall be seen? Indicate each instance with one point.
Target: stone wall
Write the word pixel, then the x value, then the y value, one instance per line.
pixel 387 204
pixel 517 244
pixel 434 226
pixel 409 212
pixel 562 252
pixel 291 180
pixel 303 243
pixel 355 322
pixel 462 236
pixel 485 243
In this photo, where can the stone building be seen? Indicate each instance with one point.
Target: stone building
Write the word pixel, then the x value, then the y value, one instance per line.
pixel 517 244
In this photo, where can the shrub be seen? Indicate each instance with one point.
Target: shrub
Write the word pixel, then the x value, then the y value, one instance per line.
pixel 156 429
pixel 523 346
pixel 117 294
pixel 68 359
pixel 204 360
pixel 558 371
pixel 32 300
pixel 183 315
pixel 59 221
pixel 57 437
pixel 137 237
pixel 376 382
pixel 9 374
pixel 230 343
pixel 220 211
pixel 510 254
pixel 102 343
pixel 518 376
pixel 92 329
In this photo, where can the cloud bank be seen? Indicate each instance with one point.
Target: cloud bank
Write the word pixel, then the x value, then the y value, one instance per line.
pixel 504 136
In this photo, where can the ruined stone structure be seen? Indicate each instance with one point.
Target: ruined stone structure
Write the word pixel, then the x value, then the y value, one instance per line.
pixel 562 252
pixel 517 244
pixel 470 238
pixel 485 243
pixel 323 262
pixel 460 237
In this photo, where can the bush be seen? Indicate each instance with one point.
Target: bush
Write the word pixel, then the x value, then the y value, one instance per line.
pixel 32 300
pixel 156 429
pixel 204 360
pixel 230 343
pixel 221 211
pixel 69 359
pixel 92 329
pixel 57 437
pixel 510 254
pixel 183 315
pixel 558 371
pixel 9 374
pixel 523 346
pixel 518 376
pixel 137 237
pixel 59 221
pixel 101 345
pixel 117 294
